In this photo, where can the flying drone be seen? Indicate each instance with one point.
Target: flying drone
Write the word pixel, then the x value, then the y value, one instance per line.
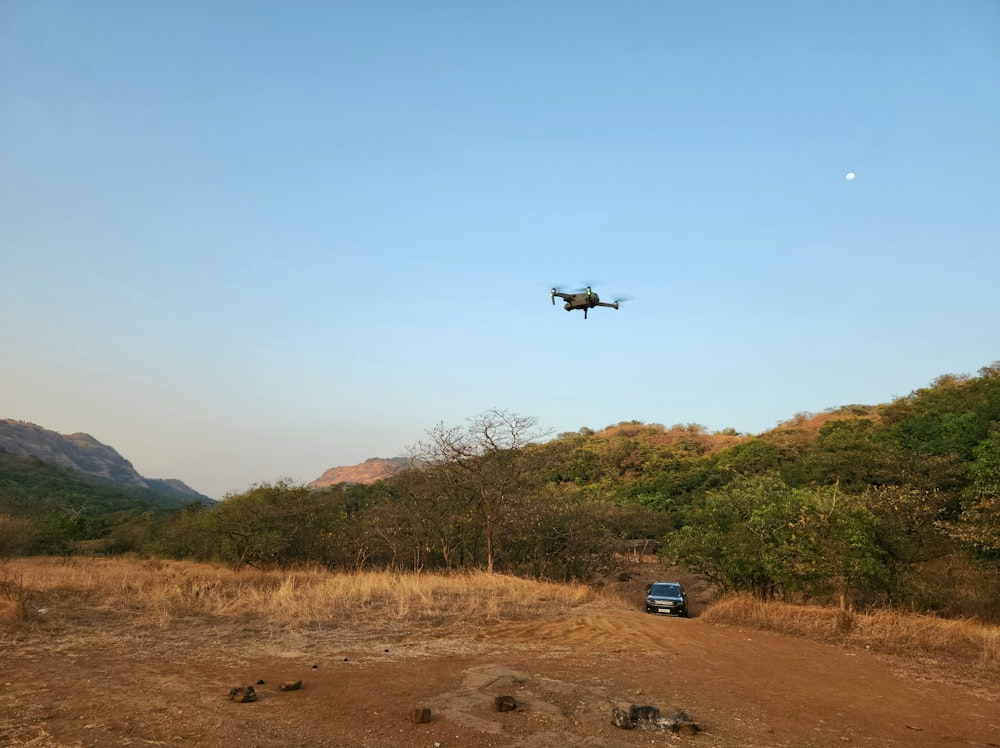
pixel 585 299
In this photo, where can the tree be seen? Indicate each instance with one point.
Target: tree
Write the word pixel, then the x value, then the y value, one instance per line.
pixel 833 545
pixel 274 525
pixel 432 517
pixel 188 533
pixel 553 534
pixel 985 468
pixel 728 537
pixel 951 416
pixel 754 456
pixel 760 535
pixel 850 453
pixel 979 525
pixel 481 467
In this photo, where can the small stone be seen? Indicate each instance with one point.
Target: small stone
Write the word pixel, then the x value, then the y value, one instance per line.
pixel 291 685
pixel 644 713
pixel 420 715
pixel 687 728
pixel 505 703
pixel 620 718
pixel 242 694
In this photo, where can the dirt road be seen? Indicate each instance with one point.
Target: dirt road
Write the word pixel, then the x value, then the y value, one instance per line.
pixel 744 688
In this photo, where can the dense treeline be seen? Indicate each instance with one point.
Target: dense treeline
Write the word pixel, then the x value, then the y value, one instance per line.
pixel 894 504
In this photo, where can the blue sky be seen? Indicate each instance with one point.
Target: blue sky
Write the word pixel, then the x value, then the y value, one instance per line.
pixel 241 241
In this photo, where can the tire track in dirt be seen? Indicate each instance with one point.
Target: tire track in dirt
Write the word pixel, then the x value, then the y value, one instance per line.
pixel 605 631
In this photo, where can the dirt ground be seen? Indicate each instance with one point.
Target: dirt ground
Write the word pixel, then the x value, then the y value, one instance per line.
pixel 81 686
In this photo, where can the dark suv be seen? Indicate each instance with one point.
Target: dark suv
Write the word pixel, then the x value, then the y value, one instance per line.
pixel 667 598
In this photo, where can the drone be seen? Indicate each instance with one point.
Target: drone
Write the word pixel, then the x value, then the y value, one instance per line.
pixel 585 299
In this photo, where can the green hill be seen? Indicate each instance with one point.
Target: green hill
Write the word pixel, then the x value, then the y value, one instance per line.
pixel 59 509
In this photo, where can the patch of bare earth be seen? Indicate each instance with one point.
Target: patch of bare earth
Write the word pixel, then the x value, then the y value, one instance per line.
pixel 82 681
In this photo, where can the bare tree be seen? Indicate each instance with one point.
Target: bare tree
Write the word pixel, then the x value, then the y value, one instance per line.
pixel 480 467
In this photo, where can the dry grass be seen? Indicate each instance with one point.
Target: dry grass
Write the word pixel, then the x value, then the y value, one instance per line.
pixel 15 596
pixel 909 634
pixel 156 593
pixel 44 594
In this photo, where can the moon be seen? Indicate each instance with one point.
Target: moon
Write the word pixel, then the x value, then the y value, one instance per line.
pixel 850 176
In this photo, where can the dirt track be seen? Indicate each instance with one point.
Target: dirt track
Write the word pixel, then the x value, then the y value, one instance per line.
pixel 745 688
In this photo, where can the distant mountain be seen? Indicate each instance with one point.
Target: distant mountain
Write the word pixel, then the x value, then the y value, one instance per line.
pixel 82 454
pixel 371 470
pixel 177 487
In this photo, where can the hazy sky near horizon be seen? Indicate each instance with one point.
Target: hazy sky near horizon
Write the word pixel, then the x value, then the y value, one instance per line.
pixel 248 240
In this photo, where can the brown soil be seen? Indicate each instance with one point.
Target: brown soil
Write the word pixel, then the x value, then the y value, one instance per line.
pixel 83 686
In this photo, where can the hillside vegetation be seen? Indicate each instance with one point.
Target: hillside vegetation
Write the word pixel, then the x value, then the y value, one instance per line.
pixel 863 506
pixel 47 508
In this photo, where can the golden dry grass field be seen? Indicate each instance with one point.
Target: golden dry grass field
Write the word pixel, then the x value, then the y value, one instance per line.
pixel 118 652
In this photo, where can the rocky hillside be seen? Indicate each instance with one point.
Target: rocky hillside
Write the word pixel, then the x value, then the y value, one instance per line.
pixel 82 453
pixel 369 471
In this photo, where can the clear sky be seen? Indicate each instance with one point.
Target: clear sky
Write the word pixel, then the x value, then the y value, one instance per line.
pixel 250 240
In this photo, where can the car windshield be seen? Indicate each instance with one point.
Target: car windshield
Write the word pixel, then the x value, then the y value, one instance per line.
pixel 666 590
